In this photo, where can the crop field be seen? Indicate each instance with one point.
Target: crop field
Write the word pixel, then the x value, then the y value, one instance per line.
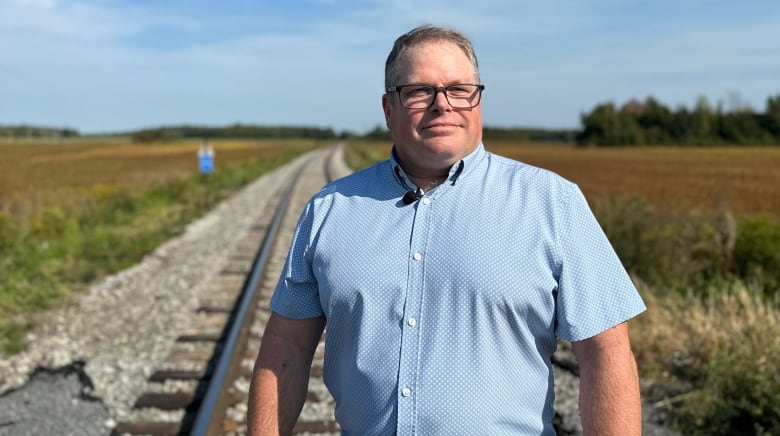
pixel 72 211
pixel 53 173
pixel 668 177
pixel 39 174
pixel 708 271
pixel 676 178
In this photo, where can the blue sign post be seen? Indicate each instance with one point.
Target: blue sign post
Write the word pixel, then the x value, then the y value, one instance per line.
pixel 206 159
pixel 206 167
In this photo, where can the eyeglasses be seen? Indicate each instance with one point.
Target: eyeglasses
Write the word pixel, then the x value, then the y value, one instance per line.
pixel 461 96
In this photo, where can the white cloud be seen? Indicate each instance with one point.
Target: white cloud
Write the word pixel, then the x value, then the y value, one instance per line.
pixel 101 65
pixel 40 4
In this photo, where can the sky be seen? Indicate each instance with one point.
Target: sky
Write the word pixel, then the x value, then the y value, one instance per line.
pixel 106 66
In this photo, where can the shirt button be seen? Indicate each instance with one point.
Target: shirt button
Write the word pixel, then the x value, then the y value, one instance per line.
pixel 412 322
pixel 406 392
pixel 426 201
pixel 417 256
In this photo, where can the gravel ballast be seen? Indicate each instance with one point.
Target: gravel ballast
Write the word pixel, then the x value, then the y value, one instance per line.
pixel 88 361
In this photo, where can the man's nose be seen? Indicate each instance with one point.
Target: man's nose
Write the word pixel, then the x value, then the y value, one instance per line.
pixel 440 101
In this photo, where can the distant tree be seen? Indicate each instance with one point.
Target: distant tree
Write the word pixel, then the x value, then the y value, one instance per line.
pixel 702 121
pixel 772 117
pixel 651 122
pixel 742 128
pixel 26 131
pixel 505 134
pixel 378 133
pixel 234 131
pixel 598 124
pixel 558 135
pixel 155 135
pixel 606 126
pixel 656 122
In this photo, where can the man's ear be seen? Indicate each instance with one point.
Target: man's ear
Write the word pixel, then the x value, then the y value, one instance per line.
pixel 386 108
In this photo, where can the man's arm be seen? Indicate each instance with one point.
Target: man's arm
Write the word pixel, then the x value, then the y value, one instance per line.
pixel 281 374
pixel 609 384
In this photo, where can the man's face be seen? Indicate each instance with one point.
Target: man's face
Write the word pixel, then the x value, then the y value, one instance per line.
pixel 435 138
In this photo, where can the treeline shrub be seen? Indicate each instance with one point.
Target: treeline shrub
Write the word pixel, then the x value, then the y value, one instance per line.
pixel 680 251
pixel 757 252
pixel 667 250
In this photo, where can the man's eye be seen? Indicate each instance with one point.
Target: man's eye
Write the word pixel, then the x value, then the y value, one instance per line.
pixel 418 91
pixel 459 91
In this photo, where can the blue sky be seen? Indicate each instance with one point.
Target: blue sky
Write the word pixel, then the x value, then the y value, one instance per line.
pixel 115 65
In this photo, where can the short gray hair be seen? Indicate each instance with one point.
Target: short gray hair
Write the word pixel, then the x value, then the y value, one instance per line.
pixel 419 35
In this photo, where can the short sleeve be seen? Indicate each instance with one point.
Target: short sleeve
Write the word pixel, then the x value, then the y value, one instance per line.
pixel 297 294
pixel 594 290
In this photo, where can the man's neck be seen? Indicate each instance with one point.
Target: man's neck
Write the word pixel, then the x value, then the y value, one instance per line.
pixel 426 183
pixel 424 178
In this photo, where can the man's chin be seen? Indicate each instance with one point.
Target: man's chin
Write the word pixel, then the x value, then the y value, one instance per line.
pixel 441 140
pixel 441 150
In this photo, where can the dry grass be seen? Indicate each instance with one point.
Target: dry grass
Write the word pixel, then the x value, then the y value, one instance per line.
pixel 34 174
pixel 708 358
pixel 73 211
pixel 711 362
pixel 672 178
pixel 668 177
pixel 737 314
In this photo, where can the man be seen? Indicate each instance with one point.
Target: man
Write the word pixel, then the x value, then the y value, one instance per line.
pixel 444 275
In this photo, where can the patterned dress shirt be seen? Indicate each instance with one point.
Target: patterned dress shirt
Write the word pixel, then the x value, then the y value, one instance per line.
pixel 442 315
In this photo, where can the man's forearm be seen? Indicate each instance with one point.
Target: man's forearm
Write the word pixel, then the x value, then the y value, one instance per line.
pixel 278 392
pixel 609 400
pixel 609 385
pixel 281 376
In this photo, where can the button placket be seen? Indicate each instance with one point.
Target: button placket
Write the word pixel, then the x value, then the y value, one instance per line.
pixel 410 336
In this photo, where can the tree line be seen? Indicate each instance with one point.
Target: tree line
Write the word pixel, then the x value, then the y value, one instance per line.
pixel 647 122
pixel 652 123
pixel 27 131
pixel 235 131
pixel 498 134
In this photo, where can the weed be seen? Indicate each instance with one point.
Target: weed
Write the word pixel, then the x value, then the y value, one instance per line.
pixel 56 243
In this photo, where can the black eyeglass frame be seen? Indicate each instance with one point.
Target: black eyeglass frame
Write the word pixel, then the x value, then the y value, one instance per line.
pixel 437 89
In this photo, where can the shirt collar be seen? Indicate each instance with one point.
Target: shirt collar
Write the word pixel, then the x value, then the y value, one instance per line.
pixel 457 170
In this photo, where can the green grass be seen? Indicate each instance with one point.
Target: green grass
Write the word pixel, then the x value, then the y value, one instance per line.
pixel 59 250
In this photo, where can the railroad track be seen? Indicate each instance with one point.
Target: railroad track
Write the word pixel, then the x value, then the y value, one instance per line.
pixel 202 387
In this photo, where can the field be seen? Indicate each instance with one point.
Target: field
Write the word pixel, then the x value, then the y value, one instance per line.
pixel 73 211
pixel 699 232
pixel 675 178
pixel 669 177
pixel 697 228
pixel 747 178
pixel 36 174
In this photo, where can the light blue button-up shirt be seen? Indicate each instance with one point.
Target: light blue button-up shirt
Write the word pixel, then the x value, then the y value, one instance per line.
pixel 442 314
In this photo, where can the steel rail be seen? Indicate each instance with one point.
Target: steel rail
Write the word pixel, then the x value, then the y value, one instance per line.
pixel 204 422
